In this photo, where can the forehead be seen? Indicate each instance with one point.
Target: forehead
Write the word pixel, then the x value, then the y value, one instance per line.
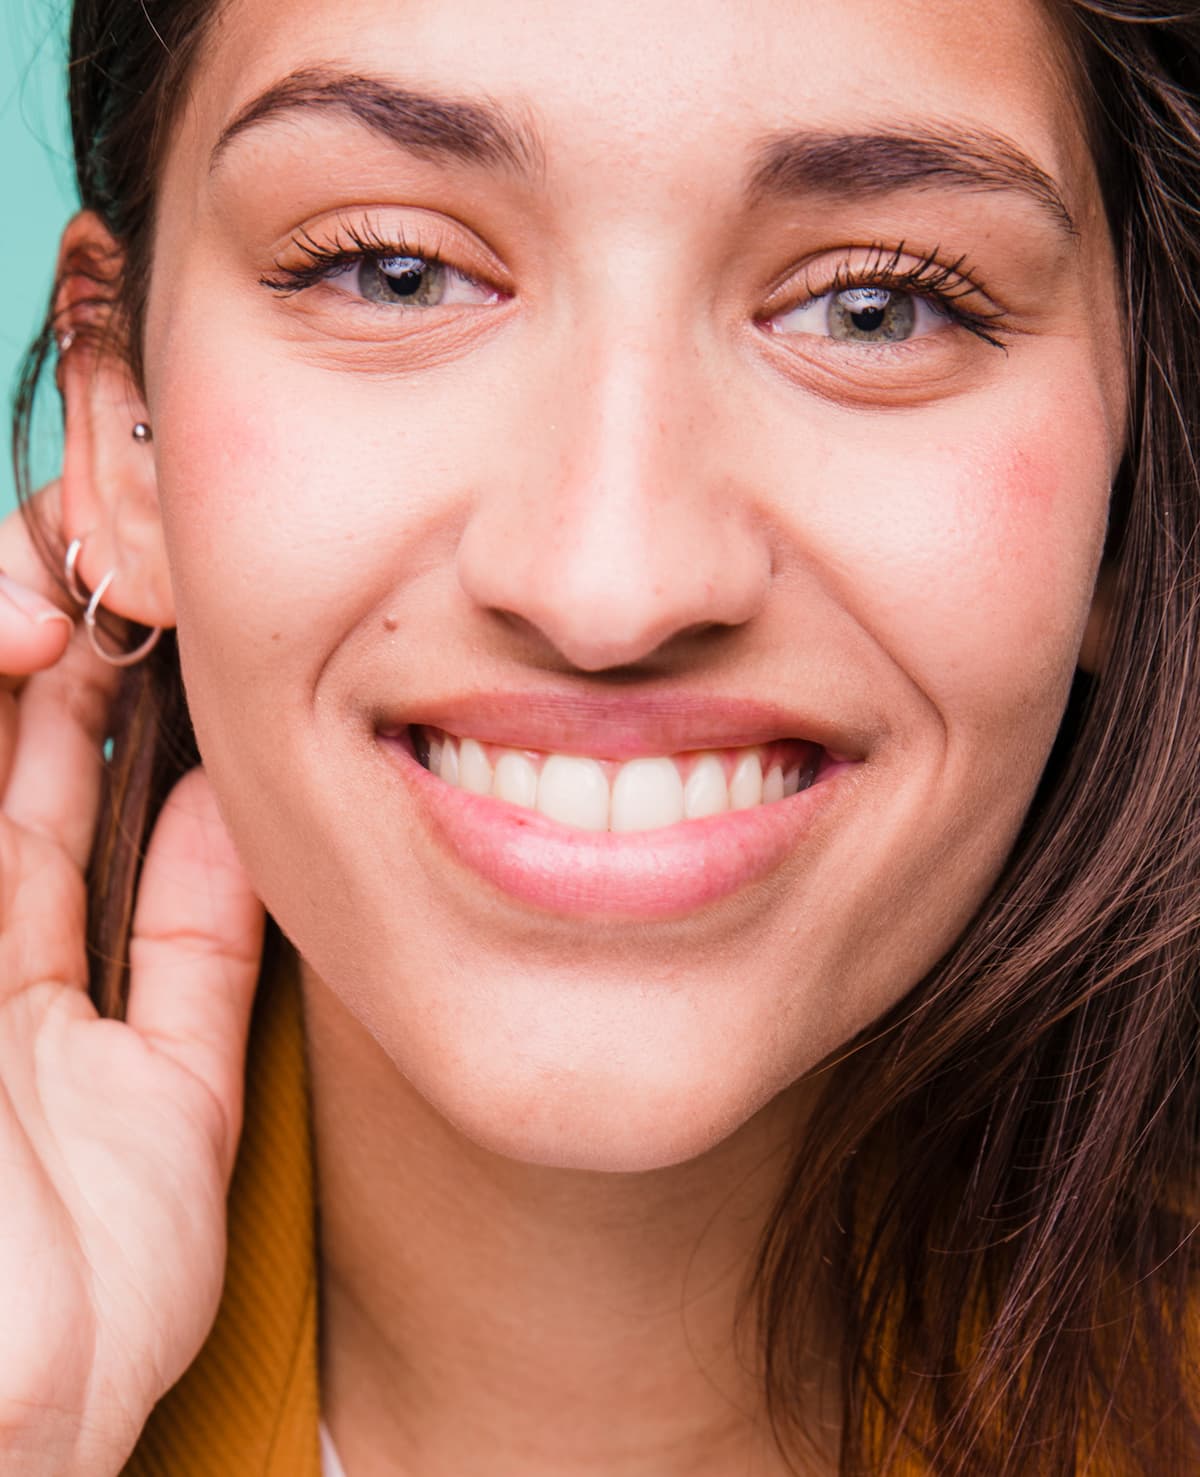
pixel 662 86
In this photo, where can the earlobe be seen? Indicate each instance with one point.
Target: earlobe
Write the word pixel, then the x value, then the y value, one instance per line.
pixel 109 482
pixel 1093 653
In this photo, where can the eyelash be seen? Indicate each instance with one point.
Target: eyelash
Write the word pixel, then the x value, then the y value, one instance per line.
pixel 929 278
pixel 326 261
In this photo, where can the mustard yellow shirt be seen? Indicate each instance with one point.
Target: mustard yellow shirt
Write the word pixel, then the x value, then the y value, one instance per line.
pixel 249 1404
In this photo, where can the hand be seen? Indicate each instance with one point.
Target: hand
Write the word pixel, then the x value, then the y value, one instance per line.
pixel 117 1140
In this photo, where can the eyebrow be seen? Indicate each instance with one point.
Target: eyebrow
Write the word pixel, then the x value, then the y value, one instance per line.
pixel 861 165
pixel 484 134
pixel 470 132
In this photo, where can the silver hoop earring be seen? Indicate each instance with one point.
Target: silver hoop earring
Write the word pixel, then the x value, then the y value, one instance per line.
pixel 77 592
pixel 120 659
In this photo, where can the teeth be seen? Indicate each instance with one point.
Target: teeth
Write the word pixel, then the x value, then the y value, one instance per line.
pixel 474 771
pixel 706 792
pixel 449 769
pixel 746 785
pixel 574 791
pixel 516 780
pixel 648 793
pixel 644 795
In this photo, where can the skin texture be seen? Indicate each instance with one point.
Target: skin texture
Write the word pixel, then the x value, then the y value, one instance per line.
pixel 616 468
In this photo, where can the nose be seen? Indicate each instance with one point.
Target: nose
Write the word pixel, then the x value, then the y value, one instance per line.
pixel 620 523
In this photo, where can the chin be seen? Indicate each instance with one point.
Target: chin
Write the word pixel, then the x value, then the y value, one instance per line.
pixel 614 1111
pixel 611 1141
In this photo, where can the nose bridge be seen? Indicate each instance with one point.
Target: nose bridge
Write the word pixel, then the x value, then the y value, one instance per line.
pixel 630 520
pixel 630 413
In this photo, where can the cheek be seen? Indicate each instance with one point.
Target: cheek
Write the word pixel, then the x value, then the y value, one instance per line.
pixel 294 502
pixel 967 551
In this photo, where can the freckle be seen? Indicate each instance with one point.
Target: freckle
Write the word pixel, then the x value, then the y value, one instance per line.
pixel 390 623
pixel 275 635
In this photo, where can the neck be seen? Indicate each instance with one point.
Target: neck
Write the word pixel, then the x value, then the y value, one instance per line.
pixel 484 1315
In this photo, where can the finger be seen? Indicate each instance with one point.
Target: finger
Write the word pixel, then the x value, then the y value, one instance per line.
pixel 33 632
pixel 54 766
pixel 196 948
pixel 22 559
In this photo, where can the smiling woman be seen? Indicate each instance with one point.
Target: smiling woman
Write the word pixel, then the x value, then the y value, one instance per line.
pixel 674 530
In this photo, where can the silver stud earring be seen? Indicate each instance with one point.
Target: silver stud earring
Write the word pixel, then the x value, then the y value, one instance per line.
pixel 66 340
pixel 142 433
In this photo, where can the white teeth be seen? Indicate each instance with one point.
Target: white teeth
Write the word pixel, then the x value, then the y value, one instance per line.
pixel 706 792
pixel 516 780
pixel 573 791
pixel 474 771
pixel 746 785
pixel 449 769
pixel 647 794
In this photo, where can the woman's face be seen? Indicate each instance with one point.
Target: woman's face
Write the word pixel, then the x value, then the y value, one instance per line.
pixel 656 464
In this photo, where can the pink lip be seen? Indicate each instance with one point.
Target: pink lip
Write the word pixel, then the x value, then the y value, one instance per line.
pixel 640 723
pixel 651 875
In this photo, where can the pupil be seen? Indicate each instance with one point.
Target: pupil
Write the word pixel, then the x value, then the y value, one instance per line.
pixel 867 319
pixel 867 307
pixel 403 275
pixel 872 315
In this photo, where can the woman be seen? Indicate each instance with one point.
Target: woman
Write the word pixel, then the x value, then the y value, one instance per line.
pixel 678 525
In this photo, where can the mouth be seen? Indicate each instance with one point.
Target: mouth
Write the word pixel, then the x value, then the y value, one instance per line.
pixel 623 834
pixel 646 793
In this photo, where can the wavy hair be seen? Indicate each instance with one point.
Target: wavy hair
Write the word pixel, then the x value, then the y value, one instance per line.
pixel 999 1186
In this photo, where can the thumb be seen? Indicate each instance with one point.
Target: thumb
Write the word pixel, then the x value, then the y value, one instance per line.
pixel 196 949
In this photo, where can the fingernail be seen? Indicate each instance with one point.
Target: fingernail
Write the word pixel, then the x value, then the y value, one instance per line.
pixel 31 605
pixel 48 617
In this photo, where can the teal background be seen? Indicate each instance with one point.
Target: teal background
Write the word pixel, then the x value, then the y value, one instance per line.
pixel 37 193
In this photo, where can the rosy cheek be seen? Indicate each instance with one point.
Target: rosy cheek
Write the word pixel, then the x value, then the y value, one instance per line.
pixel 1014 563
pixel 964 546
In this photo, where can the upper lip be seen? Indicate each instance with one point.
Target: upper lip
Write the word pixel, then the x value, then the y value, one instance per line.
pixel 621 724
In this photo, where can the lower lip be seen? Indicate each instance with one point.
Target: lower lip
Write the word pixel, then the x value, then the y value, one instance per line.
pixel 659 874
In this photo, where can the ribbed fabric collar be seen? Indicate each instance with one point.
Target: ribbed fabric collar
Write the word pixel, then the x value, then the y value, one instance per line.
pixel 249 1404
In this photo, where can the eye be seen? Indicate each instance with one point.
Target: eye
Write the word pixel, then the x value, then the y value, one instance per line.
pixel 865 315
pixel 410 281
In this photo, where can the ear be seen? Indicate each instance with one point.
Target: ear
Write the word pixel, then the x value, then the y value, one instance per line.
pixel 109 483
pixel 1097 633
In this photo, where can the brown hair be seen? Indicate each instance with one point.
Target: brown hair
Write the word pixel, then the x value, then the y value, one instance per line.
pixel 999 1187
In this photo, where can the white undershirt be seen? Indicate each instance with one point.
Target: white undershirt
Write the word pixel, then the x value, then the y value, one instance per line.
pixel 330 1465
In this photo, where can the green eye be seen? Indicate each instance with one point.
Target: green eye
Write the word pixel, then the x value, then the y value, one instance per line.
pixel 408 280
pixel 416 280
pixel 863 315
pixel 872 314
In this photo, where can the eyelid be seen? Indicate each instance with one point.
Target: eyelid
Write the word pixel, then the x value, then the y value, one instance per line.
pixel 386 232
pixel 921 273
pixel 943 285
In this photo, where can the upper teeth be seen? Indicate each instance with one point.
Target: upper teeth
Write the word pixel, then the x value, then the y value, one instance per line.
pixel 639 795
